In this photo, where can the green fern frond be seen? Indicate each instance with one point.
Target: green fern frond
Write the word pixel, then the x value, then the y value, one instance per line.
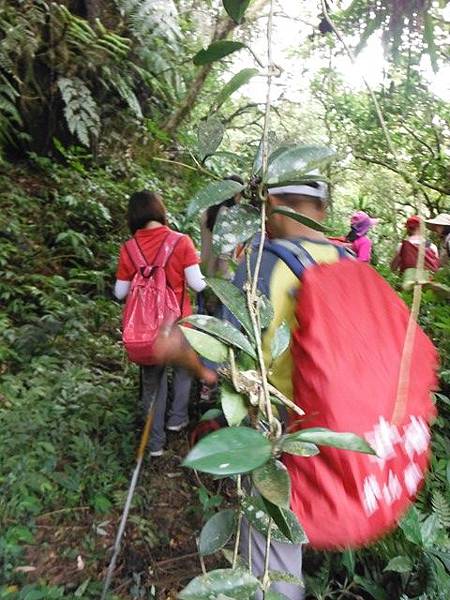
pixel 441 507
pixel 80 110
pixel 127 93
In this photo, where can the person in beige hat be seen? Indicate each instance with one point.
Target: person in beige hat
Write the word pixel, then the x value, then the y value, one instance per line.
pixel 441 226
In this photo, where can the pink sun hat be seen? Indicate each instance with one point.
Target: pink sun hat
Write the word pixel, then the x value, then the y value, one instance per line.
pixel 361 222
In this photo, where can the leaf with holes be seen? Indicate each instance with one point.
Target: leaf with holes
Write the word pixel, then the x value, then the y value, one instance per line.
pixel 233 583
pixel 234 226
pixel 216 51
pixel 233 405
pixel 217 531
pixel 212 194
pixel 325 437
pixel 300 218
pixel 280 341
pixel 223 330
pixel 272 481
pixel 206 345
pixel 236 82
pixel 209 136
pixel 229 451
pixel 234 300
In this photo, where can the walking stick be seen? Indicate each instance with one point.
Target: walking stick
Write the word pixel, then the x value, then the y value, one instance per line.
pixel 126 510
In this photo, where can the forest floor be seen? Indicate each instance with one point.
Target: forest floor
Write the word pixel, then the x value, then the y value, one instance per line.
pixel 158 549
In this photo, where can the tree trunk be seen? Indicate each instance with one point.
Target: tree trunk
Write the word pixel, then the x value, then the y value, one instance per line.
pixel 223 28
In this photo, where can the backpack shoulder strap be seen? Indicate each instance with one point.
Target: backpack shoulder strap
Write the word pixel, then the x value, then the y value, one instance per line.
pixel 295 257
pixel 166 249
pixel 135 253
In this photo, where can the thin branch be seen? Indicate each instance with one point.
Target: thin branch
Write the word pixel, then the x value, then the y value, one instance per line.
pixel 197 168
pixel 406 177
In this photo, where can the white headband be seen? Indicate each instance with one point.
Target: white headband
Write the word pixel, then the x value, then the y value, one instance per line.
pixel 321 191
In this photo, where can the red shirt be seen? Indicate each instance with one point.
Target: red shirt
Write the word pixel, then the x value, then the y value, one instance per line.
pixel 183 256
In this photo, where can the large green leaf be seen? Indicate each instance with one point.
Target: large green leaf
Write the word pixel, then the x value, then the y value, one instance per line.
pixel 296 163
pixel 236 8
pixel 214 193
pixel 256 510
pixel 300 218
pixel 217 531
pixel 229 451
pixel 280 341
pixel 399 564
pixel 223 330
pixel 234 84
pixel 234 300
pixel 216 51
pixel 233 583
pixel 273 482
pixel 410 525
pixel 286 444
pixel 206 345
pixel 270 595
pixel 234 226
pixel 326 437
pixel 209 135
pixel 233 405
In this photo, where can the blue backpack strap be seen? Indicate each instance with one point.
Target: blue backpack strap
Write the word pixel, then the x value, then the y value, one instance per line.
pixel 343 251
pixel 296 257
pixel 289 253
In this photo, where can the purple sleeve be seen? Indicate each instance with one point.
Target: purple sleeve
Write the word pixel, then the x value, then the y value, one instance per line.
pixel 363 248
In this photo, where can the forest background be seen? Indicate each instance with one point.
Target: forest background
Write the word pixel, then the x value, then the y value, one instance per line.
pixel 100 98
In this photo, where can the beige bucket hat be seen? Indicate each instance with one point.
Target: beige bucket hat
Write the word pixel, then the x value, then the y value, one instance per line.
pixel 442 219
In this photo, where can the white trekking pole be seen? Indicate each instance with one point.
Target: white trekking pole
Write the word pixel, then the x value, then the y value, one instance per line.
pixel 126 510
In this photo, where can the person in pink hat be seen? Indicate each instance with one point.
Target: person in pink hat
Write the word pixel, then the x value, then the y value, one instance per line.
pixel 357 238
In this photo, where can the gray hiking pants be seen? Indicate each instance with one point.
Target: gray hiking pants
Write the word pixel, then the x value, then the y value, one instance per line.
pixel 154 381
pixel 283 557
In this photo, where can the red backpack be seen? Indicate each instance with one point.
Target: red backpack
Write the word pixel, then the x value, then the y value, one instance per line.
pixel 408 257
pixel 151 302
pixel 346 353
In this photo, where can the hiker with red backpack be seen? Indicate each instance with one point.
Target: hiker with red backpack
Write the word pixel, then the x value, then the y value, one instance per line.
pixel 356 363
pixel 342 498
pixel 155 266
pixel 405 259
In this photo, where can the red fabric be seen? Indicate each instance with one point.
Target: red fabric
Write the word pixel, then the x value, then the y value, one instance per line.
pixel 346 353
pixel 150 303
pixel 184 255
pixel 408 257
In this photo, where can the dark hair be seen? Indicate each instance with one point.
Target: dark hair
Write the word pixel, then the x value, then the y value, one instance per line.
pixel 351 235
pixel 446 231
pixel 213 211
pixel 144 207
